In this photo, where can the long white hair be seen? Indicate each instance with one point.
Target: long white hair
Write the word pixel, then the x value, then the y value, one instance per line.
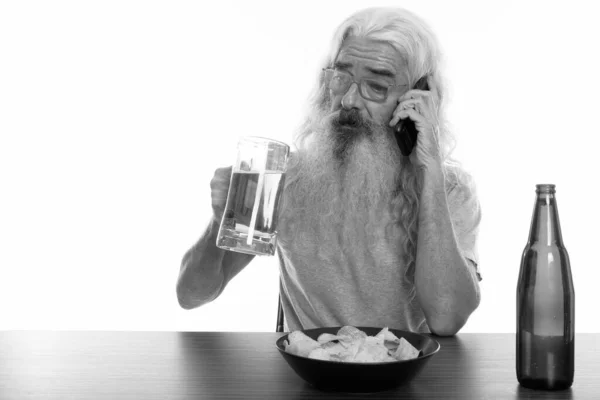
pixel 417 44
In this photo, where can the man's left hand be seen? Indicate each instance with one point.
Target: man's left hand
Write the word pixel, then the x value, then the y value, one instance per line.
pixel 421 107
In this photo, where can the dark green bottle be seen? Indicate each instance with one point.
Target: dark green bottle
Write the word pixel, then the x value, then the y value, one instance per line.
pixel 545 302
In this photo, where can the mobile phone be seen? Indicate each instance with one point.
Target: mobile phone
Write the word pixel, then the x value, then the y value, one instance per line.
pixel 405 130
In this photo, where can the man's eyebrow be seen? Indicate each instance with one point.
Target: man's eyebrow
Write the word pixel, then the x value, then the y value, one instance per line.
pixel 344 66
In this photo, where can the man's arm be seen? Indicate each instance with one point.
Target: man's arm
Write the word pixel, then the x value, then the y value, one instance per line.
pixel 206 270
pixel 446 283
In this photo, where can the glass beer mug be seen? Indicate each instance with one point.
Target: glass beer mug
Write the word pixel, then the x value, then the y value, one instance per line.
pixel 249 223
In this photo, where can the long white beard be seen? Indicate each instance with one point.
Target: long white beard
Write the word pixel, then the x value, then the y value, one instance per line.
pixel 363 200
pixel 345 192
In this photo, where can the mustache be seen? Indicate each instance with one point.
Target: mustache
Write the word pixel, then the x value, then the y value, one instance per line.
pixel 349 126
pixel 350 118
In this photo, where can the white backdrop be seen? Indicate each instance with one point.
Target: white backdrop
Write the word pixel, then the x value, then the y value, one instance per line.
pixel 115 114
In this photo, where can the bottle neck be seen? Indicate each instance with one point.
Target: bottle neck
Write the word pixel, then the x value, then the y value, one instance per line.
pixel 545 225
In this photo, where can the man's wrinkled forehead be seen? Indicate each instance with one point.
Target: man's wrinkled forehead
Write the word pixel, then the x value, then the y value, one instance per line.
pixel 371 54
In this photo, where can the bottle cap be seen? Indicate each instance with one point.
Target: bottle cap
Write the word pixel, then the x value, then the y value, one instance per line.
pixel 545 188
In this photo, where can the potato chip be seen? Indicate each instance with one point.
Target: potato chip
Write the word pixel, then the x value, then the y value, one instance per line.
pixel 296 336
pixel 319 354
pixel 373 340
pixel 388 336
pixel 351 345
pixel 352 350
pixel 302 347
pixel 328 337
pixel 351 332
pixel 334 349
pixel 371 352
pixel 405 351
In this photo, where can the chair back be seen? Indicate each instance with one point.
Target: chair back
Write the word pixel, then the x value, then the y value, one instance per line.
pixel 279 327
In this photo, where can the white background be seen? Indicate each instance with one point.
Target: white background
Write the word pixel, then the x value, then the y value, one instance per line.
pixel 115 114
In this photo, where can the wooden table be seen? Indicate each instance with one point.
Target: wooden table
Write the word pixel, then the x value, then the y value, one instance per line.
pixel 227 365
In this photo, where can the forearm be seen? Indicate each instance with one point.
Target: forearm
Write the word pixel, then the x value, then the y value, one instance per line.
pixel 446 285
pixel 206 269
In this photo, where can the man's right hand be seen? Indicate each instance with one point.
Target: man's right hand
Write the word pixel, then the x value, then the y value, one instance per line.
pixel 219 186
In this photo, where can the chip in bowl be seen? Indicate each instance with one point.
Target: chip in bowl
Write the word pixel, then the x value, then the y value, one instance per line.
pixel 350 344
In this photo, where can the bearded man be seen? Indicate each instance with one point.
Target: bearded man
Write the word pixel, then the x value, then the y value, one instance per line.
pixel 367 236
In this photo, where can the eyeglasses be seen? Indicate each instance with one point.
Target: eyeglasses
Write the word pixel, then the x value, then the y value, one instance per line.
pixel 376 90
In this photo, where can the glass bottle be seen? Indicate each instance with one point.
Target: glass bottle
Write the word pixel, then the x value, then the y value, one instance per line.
pixel 545 302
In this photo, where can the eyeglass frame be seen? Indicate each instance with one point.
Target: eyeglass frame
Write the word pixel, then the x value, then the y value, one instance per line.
pixel 358 83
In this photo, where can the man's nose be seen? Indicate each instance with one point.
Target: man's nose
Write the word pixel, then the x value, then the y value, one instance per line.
pixel 352 98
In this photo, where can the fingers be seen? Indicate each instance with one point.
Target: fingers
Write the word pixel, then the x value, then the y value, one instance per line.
pixel 224 172
pixel 408 113
pixel 428 97
pixel 423 101
pixel 222 176
pixel 414 104
pixel 219 187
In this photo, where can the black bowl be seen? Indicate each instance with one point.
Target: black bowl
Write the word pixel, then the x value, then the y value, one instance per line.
pixel 360 377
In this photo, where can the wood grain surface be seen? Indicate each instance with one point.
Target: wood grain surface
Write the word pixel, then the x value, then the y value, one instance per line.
pixel 230 365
